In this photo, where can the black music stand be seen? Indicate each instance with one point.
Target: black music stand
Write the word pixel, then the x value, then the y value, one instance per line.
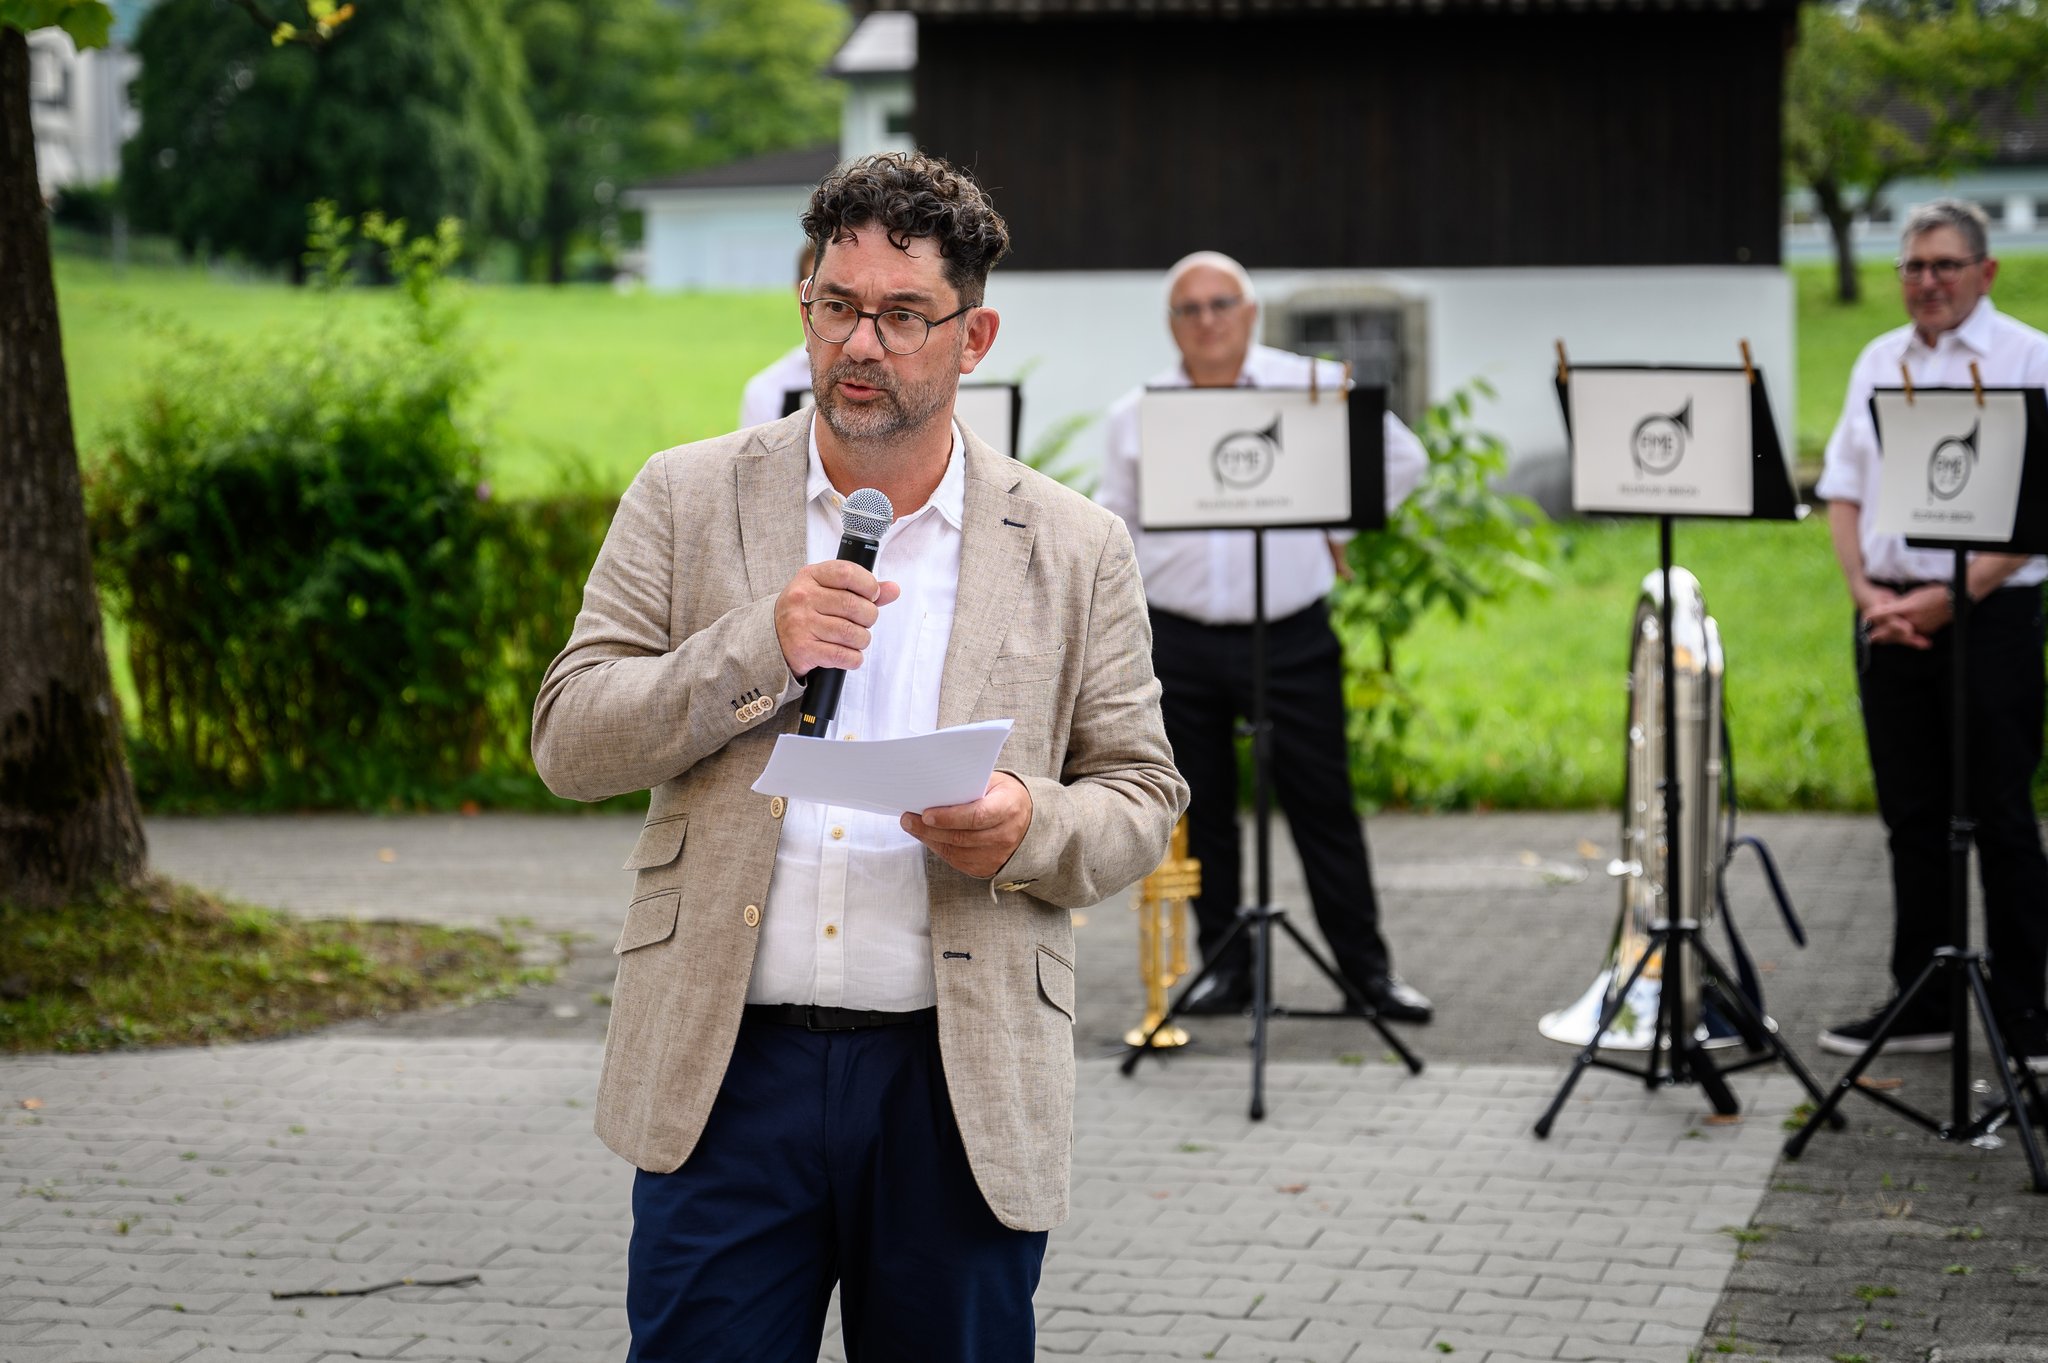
pixel 1676 1054
pixel 1962 967
pixel 1366 512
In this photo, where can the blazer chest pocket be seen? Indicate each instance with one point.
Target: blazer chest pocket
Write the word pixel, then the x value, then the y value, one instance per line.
pixel 649 920
pixel 1056 982
pixel 661 842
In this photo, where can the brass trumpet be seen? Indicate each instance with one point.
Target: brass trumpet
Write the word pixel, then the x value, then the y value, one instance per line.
pixel 1162 906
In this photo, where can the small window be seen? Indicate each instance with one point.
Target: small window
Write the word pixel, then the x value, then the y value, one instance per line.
pixel 896 123
pixel 1994 211
pixel 1379 334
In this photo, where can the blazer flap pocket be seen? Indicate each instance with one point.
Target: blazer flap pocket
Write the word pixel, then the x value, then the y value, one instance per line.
pixel 1028 667
pixel 1056 982
pixel 650 920
pixel 661 842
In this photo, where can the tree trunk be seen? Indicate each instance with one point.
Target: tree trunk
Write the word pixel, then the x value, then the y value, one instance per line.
pixel 558 257
pixel 68 822
pixel 1841 231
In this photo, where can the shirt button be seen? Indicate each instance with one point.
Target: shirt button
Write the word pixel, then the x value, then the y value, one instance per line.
pixel 831 929
pixel 776 806
pixel 752 915
pixel 838 833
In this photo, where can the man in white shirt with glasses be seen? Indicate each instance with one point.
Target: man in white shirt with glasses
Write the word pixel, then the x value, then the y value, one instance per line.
pixel 1903 611
pixel 1198 585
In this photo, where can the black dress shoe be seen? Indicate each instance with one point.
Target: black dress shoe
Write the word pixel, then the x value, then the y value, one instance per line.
pixel 1224 992
pixel 1394 999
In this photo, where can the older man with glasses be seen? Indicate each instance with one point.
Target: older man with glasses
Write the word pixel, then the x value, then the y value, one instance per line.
pixel 1903 610
pixel 1199 587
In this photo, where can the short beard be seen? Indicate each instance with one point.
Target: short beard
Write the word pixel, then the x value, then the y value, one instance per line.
pixel 901 410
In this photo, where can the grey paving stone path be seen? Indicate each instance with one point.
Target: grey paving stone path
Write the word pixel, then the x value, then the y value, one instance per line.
pixel 151 1203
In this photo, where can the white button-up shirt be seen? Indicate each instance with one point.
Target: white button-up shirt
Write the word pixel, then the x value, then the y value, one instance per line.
pixel 848 922
pixel 1206 575
pixel 2008 354
pixel 766 393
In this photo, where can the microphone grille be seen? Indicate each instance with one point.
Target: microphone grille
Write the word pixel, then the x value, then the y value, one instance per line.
pixel 867 513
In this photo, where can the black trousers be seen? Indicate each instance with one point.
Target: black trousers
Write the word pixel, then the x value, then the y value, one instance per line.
pixel 1206 673
pixel 1905 693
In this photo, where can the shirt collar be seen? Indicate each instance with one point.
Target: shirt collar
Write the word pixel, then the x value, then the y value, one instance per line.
pixel 948 500
pixel 1974 333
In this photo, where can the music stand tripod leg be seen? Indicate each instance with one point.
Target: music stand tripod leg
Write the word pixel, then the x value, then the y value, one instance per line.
pixel 1357 1000
pixel 1262 1001
pixel 1843 1086
pixel 1773 1043
pixel 1611 1010
pixel 2001 1062
pixel 1136 1053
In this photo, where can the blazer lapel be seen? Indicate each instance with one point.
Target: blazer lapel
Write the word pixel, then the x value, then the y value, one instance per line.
pixel 997 531
pixel 771 482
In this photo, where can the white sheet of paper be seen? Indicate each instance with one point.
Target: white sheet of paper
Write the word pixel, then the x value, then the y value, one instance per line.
pixel 1661 441
pixel 887 775
pixel 1952 466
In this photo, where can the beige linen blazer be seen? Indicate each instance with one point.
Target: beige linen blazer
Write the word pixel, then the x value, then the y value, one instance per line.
pixel 673 680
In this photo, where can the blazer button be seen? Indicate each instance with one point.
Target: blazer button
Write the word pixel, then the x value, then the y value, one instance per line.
pixel 776 806
pixel 752 915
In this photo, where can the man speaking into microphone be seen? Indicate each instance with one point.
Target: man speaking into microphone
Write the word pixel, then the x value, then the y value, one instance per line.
pixel 841 1045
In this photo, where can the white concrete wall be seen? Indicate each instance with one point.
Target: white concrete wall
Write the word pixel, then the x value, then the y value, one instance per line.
pixel 723 238
pixel 79 137
pixel 864 122
pixel 1077 341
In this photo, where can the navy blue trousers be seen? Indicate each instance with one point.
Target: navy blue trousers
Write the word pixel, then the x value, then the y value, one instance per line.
pixel 829 1157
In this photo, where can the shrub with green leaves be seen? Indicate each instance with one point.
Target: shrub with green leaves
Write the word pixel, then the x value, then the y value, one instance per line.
pixel 1455 543
pixel 324 605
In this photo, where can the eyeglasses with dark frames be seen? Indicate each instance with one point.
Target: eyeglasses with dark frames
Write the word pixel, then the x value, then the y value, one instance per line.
pixel 1944 270
pixel 901 331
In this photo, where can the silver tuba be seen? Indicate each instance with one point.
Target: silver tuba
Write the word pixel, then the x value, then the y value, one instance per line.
pixel 1642 866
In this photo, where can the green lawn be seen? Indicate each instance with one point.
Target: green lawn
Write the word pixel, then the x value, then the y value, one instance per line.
pixel 582 371
pixel 1524 704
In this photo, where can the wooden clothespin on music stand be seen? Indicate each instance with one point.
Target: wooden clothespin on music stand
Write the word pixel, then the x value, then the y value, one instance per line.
pixel 1977 382
pixel 1748 366
pixel 1906 382
pixel 1564 368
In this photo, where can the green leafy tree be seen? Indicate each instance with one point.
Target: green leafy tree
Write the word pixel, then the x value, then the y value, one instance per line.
pixel 753 72
pixel 606 92
pixel 1890 91
pixel 416 107
pixel 625 89
pixel 68 821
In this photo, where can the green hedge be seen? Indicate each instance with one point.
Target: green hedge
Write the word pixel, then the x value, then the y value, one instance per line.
pixel 325 605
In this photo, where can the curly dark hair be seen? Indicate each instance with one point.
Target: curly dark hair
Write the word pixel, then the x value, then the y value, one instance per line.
pixel 908 195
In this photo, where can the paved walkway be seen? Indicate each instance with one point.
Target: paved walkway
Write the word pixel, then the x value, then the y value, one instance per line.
pixel 152 1203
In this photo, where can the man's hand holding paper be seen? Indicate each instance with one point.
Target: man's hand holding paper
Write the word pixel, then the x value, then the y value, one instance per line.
pixel 977 838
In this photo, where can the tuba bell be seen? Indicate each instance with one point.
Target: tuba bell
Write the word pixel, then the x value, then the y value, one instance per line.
pixel 1646 893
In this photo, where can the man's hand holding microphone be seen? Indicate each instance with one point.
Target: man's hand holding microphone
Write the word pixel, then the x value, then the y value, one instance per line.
pixel 824 621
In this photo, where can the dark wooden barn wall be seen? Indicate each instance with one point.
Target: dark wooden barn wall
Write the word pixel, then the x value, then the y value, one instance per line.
pixel 1368 141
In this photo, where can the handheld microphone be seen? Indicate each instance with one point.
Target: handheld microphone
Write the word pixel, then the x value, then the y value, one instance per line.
pixel 864 518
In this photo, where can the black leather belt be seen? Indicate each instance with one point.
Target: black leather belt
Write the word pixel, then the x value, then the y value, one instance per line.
pixel 818 1018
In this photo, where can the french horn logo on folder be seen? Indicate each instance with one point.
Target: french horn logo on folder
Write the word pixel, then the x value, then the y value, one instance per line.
pixel 1950 465
pixel 1659 442
pixel 1244 459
